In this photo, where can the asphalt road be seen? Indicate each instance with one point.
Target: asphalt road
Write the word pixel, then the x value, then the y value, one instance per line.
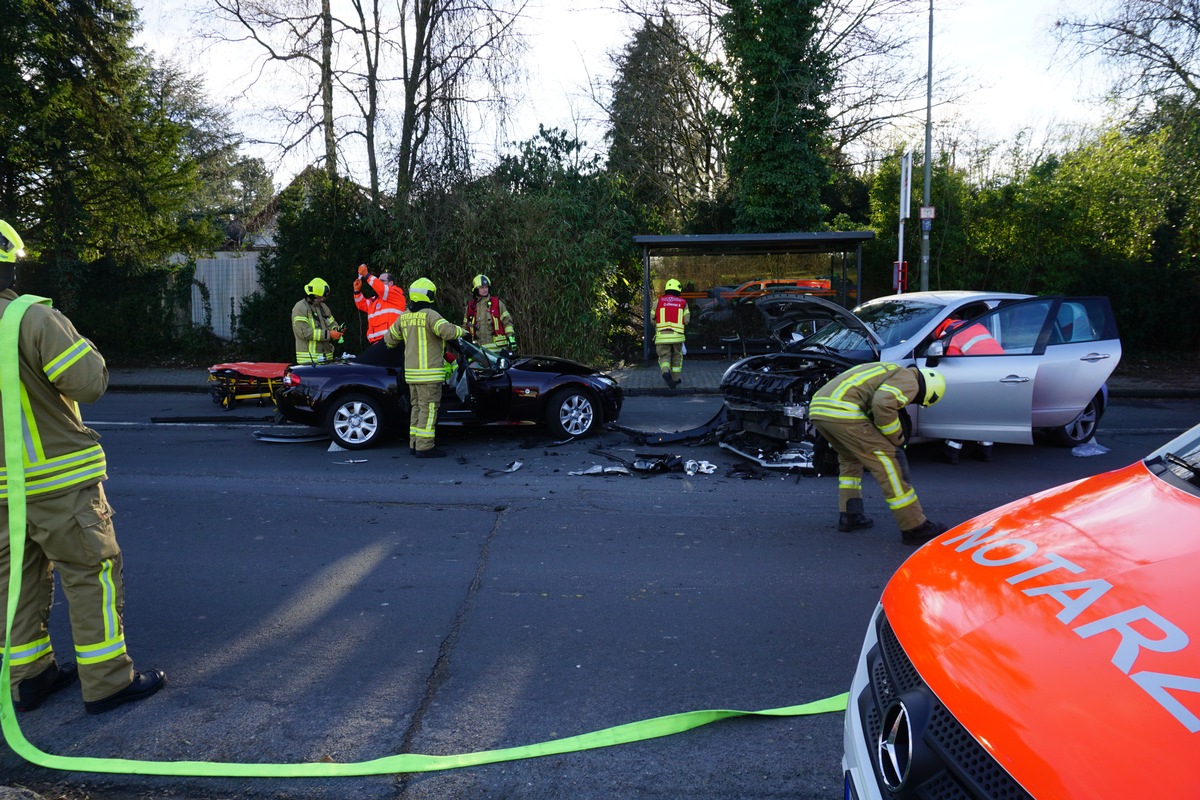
pixel 310 605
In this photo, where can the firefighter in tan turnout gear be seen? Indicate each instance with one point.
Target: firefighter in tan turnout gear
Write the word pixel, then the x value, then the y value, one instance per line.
pixel 424 333
pixel 858 413
pixel 487 321
pixel 68 522
pixel 313 325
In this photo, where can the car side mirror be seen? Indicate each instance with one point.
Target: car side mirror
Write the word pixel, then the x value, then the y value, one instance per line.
pixel 934 353
pixel 503 364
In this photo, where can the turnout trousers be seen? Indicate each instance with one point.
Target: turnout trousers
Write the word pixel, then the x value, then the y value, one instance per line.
pixel 670 358
pixel 422 419
pixel 73 535
pixel 859 445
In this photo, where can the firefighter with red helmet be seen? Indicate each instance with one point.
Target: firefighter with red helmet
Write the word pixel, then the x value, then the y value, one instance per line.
pixel 671 314
pixel 490 327
pixel 382 309
pixel 67 521
pixel 858 413
pixel 424 333
pixel 313 325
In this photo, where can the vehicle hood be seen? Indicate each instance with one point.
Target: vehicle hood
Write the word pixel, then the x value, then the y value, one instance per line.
pixel 783 310
pixel 553 364
pixel 1056 630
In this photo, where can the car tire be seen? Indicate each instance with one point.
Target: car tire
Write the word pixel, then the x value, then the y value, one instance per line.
pixel 1082 428
pixel 573 413
pixel 355 421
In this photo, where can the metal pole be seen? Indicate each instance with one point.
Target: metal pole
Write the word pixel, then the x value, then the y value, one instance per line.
pixel 928 156
pixel 647 322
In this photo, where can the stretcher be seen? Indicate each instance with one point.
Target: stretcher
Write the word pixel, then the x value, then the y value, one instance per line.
pixel 237 381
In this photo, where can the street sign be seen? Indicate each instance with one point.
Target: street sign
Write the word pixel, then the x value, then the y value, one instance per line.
pixel 927 212
pixel 926 224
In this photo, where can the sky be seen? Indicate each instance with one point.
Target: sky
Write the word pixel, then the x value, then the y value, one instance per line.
pixel 1005 49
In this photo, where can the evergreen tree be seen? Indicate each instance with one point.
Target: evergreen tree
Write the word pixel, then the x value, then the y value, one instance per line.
pixel 780 83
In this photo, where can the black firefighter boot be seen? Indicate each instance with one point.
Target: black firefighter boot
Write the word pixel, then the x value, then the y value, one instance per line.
pixel 853 518
pixel 667 380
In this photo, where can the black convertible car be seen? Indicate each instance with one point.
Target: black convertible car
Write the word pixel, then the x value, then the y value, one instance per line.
pixel 359 399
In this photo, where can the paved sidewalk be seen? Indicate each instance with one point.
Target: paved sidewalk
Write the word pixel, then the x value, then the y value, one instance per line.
pixel 700 376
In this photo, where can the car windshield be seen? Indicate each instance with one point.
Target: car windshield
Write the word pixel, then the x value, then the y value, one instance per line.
pixel 894 321
pixel 475 353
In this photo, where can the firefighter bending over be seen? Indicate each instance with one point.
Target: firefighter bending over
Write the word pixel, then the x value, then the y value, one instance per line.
pixel 858 413
pixel 424 333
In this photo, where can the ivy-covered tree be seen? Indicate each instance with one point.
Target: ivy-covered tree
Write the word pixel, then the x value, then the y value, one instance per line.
pixel 780 84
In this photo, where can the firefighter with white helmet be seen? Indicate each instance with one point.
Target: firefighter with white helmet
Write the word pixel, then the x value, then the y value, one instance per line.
pixel 424 333
pixel 68 521
pixel 858 413
pixel 313 325
pixel 492 326
pixel 671 314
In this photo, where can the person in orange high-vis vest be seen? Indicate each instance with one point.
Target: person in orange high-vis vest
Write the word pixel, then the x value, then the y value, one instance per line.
pixel 68 521
pixel 670 316
pixel 967 339
pixel 382 309
pixel 487 320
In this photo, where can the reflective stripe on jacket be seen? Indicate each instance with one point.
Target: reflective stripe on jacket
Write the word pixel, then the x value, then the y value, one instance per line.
pixel 58 370
pixel 424 333
pixel 670 315
pixel 875 391
pixel 973 340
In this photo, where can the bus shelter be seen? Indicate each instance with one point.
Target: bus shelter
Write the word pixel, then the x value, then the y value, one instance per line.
pixel 722 274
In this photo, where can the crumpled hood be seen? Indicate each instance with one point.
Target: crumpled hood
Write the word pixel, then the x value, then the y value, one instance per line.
pixel 1063 632
pixel 553 364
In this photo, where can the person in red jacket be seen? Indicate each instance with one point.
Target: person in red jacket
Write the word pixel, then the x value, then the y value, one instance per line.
pixel 670 316
pixel 967 339
pixel 382 309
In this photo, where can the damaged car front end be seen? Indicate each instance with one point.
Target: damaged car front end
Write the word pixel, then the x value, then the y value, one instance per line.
pixel 766 408
pixel 1046 372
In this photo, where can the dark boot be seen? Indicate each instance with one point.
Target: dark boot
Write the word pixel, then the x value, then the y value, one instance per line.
pixel 32 692
pixel 667 380
pixel 144 684
pixel 922 533
pixel 985 452
pixel 950 452
pixel 853 518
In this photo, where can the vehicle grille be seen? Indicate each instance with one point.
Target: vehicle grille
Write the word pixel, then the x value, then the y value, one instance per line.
pixel 754 385
pixel 967 771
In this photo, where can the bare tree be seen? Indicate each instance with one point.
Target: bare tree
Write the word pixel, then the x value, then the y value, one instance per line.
pixel 1153 46
pixel 288 32
pixel 446 59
